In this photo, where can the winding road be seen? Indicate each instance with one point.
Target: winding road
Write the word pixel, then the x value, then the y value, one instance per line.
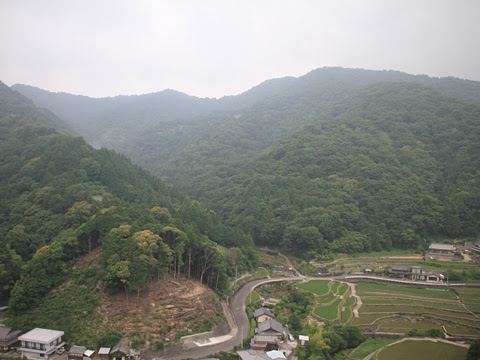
pixel 240 328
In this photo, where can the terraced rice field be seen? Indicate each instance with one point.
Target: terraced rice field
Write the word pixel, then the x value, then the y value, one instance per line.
pixel 471 298
pixel 395 309
pixel 421 350
pixel 333 300
pixel 318 287
pixel 329 312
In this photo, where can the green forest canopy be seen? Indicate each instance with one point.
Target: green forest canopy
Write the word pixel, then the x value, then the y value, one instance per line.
pixel 60 198
pixel 397 166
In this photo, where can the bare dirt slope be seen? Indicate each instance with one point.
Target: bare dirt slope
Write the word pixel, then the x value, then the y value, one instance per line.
pixel 168 309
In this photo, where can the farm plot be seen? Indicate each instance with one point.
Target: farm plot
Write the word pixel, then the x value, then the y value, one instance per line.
pixel 414 350
pixel 318 287
pixel 471 298
pixel 329 312
pixel 394 309
pixel 333 301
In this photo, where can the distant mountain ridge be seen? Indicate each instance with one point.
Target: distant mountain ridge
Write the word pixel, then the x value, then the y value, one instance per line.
pixel 125 123
pixel 109 122
pixel 225 157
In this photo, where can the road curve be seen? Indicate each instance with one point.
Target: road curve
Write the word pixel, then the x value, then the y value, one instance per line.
pixel 237 307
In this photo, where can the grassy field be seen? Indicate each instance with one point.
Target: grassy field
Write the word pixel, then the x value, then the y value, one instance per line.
pixel 318 287
pixel 420 350
pixel 329 312
pixel 368 347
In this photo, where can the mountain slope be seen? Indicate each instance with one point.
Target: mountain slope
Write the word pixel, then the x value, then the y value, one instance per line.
pixel 399 165
pixel 14 103
pixel 223 139
pixel 158 128
pixel 111 122
pixel 61 199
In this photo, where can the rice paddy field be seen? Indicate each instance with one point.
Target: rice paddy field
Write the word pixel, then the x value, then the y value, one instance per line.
pixel 395 309
pixel 423 349
pixel 333 300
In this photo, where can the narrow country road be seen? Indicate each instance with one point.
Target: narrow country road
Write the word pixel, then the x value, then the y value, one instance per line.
pixel 239 333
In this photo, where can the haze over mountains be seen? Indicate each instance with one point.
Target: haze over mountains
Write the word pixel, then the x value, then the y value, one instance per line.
pixel 330 161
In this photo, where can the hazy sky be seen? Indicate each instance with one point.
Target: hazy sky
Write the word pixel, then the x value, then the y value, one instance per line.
pixel 211 48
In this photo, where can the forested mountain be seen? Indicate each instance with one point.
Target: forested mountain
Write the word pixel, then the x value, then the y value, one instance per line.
pixel 113 122
pixel 399 164
pixel 60 199
pixel 13 103
pixel 170 127
pixel 374 165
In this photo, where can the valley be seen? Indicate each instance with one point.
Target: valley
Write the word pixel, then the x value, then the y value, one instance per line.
pixel 346 201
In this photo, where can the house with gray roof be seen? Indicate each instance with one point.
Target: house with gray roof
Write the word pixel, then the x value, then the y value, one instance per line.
pixel 441 251
pixel 8 337
pixel 399 270
pixel 262 314
pixel 256 355
pixel 271 328
pixel 264 342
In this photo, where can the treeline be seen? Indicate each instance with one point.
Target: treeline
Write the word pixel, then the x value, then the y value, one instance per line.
pixel 61 199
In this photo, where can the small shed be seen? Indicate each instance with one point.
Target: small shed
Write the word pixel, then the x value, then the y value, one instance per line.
pixel 88 354
pixel 76 352
pixel 104 353
pixel 119 352
pixel 304 339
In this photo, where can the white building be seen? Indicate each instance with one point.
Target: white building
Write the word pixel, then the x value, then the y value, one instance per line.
pixel 40 343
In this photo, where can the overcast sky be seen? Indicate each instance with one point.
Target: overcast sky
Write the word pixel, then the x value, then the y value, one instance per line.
pixel 211 48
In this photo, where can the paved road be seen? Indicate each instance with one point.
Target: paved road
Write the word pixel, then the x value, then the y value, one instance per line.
pixel 239 332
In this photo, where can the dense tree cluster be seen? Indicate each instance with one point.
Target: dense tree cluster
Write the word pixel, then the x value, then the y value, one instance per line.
pixel 396 167
pixel 327 342
pixel 61 199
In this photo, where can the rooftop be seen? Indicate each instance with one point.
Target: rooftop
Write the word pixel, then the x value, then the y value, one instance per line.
pixel 275 354
pixel 104 351
pixel 77 350
pixel 7 331
pixel 436 246
pixel 399 268
pixel 262 311
pixel 270 324
pixel 41 335
pixel 252 355
pixel 89 353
